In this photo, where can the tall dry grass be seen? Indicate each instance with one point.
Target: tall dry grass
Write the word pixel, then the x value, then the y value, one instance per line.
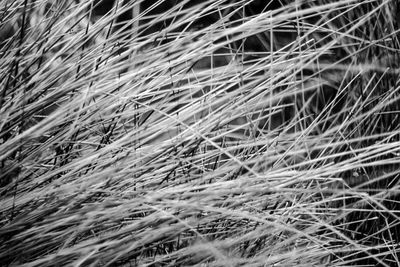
pixel 210 133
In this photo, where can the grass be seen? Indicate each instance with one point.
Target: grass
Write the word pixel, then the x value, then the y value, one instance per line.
pixel 209 133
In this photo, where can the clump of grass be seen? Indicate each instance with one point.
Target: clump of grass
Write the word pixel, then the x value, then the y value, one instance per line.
pixel 215 133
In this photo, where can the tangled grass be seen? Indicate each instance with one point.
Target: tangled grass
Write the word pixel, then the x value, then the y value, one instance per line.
pixel 210 133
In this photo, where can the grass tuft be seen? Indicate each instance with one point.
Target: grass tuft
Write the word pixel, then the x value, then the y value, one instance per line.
pixel 210 133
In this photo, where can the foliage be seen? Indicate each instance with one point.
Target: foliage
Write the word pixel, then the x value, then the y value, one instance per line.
pixel 211 133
